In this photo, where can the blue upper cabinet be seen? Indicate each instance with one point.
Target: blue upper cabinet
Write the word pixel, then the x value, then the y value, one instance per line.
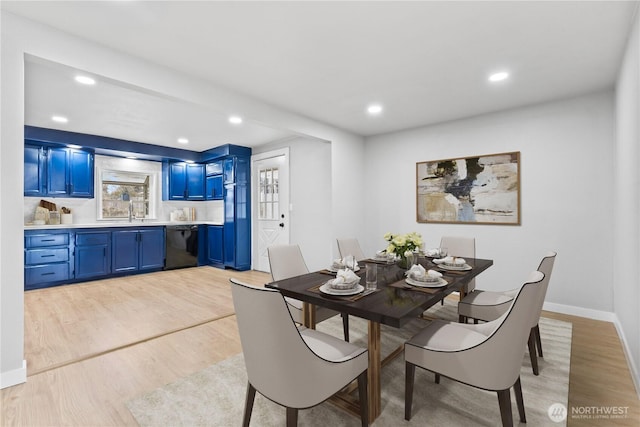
pixel 58 172
pixel 183 181
pixel 34 170
pixel 195 181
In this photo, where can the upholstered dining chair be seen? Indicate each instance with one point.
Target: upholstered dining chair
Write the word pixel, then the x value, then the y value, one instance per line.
pixel 296 368
pixel 487 355
pixel 287 261
pixel 461 247
pixel 489 305
pixel 350 246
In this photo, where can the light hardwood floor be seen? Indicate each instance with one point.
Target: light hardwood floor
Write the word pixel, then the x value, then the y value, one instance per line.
pixel 92 347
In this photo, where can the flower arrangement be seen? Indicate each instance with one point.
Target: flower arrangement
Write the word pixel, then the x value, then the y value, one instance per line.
pixel 403 245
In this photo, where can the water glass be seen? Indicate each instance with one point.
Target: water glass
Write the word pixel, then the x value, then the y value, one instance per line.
pixel 443 252
pixel 372 276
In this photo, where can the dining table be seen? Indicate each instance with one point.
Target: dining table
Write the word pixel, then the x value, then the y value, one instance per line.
pixel 394 303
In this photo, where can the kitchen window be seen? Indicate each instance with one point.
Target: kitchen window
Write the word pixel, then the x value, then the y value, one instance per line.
pixel 123 191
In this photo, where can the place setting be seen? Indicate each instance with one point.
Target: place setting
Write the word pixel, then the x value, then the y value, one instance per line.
pixel 348 262
pixel 345 286
pixel 452 265
pixel 420 279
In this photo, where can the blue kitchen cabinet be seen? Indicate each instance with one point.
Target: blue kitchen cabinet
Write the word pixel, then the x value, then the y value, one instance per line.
pixel 214 187
pixel 229 170
pixel 34 170
pixel 47 258
pixel 137 249
pixel 69 173
pixel 215 245
pixel 57 171
pixel 183 181
pixel 152 248
pixel 92 254
pixel 237 218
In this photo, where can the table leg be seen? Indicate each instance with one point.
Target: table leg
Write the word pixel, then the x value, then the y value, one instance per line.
pixel 374 372
pixel 309 315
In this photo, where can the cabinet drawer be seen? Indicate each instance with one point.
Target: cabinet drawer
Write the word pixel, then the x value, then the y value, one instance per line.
pixel 39 240
pixel 46 256
pixel 90 239
pixel 46 273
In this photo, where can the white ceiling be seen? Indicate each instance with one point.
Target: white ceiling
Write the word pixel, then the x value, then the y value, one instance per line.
pixel 425 62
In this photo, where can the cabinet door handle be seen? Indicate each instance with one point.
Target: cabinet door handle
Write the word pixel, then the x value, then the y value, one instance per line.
pixel 46 256
pixel 48 274
pixel 48 240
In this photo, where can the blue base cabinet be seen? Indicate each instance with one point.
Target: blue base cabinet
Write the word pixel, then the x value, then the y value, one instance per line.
pixel 92 254
pixel 48 258
pixel 215 245
pixel 137 249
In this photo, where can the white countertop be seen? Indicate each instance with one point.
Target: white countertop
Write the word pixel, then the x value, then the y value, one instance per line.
pixel 110 224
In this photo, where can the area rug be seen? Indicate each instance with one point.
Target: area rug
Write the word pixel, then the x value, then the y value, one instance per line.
pixel 215 395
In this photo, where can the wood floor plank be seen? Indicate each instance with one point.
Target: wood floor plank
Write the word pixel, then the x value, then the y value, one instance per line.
pixel 116 339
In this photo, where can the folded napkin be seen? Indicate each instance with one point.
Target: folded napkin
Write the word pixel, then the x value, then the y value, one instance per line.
pixel 433 252
pixel 418 272
pixel 451 260
pixel 345 279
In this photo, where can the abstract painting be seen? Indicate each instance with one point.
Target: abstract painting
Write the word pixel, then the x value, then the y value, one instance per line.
pixel 469 190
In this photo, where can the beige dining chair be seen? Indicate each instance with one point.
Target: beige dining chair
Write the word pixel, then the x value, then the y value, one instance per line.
pixel 295 368
pixel 461 247
pixel 487 355
pixel 286 261
pixel 350 246
pixel 489 305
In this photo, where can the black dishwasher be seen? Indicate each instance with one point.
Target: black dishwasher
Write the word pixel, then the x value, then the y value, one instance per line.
pixel 181 246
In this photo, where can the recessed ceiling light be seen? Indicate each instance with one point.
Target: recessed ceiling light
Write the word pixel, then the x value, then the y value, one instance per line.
pixel 374 109
pixel 498 77
pixel 183 140
pixel 59 119
pixel 236 120
pixel 74 146
pixel 189 161
pixel 85 80
pixel 132 157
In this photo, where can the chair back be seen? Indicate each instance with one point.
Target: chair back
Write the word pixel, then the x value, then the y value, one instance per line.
pixel 350 246
pixel 545 267
pixel 279 363
pixel 286 261
pixel 500 356
pixel 462 247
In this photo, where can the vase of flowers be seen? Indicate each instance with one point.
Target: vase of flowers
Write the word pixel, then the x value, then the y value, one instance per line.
pixel 403 246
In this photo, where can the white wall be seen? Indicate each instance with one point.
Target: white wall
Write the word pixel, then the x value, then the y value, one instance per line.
pixel 20 37
pixel 310 195
pixel 626 270
pixel 566 193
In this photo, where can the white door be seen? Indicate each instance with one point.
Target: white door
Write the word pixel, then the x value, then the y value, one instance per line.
pixel 270 189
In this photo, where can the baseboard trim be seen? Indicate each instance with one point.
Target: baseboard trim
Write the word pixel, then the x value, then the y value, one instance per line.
pixel 607 317
pixel 635 374
pixel 14 377
pixel 572 310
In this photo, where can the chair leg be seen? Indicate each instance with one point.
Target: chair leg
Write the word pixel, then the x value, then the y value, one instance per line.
pixel 408 389
pixel 504 400
pixel 364 398
pixel 532 353
pixel 248 406
pixel 462 319
pixel 345 325
pixel 517 388
pixel 538 340
pixel 437 379
pixel 292 417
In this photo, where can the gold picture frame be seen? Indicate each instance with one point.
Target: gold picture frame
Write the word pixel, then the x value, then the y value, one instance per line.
pixel 469 190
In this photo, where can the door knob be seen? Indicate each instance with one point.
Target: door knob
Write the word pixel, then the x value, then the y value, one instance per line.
pixel 281 225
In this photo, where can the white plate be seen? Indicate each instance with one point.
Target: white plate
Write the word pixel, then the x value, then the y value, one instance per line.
pixel 465 267
pixel 440 283
pixel 335 270
pixel 327 289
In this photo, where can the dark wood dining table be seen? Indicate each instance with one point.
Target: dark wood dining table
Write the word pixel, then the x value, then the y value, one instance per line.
pixel 394 303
